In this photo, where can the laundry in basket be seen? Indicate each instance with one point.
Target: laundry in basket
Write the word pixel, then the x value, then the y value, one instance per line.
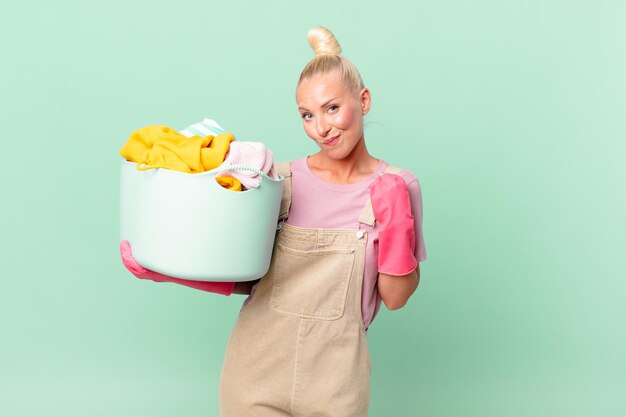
pixel 186 225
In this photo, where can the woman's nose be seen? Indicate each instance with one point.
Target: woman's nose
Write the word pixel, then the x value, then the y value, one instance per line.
pixel 323 127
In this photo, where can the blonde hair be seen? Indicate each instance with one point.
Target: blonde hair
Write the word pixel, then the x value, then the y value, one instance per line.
pixel 327 59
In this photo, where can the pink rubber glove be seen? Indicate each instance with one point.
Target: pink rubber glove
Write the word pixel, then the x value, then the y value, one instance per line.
pixel 225 288
pixel 396 236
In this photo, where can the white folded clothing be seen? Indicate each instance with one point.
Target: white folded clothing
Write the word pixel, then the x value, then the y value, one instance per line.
pixel 204 128
pixel 251 154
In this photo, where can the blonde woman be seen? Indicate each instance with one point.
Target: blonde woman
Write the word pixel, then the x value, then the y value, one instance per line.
pixel 349 238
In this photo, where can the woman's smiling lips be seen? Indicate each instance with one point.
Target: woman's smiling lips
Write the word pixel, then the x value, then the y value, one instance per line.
pixel 332 140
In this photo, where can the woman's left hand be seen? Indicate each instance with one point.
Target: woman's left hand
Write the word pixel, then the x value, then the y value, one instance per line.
pixel 396 230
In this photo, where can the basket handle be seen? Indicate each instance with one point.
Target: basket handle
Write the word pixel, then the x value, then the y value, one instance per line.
pixel 237 167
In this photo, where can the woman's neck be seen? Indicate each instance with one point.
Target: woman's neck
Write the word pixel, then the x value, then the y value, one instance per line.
pixel 357 165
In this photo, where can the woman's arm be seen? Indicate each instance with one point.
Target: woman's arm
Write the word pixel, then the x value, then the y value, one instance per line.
pixel 396 290
pixel 391 205
pixel 244 287
pixel 224 288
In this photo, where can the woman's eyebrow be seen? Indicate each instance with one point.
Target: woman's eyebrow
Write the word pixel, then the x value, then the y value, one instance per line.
pixel 323 105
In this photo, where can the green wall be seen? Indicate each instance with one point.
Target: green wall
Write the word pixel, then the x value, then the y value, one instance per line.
pixel 511 113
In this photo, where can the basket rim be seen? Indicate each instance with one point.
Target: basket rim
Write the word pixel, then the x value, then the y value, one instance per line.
pixel 198 174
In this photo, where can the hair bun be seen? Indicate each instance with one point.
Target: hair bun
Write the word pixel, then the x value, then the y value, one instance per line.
pixel 323 41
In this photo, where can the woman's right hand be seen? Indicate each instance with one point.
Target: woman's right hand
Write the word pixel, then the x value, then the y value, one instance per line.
pixel 224 288
pixel 133 266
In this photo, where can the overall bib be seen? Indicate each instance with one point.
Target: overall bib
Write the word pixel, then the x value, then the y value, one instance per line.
pixel 299 347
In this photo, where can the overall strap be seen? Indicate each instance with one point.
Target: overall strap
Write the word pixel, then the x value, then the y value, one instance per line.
pixel 367 215
pixel 284 169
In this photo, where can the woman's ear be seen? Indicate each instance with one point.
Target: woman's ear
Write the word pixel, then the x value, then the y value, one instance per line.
pixel 365 100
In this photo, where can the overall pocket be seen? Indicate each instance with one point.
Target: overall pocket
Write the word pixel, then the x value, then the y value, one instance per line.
pixel 311 284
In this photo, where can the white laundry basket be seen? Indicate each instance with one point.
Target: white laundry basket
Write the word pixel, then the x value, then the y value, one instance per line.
pixel 189 226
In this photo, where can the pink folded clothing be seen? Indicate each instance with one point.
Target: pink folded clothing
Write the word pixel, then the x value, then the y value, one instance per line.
pixel 251 154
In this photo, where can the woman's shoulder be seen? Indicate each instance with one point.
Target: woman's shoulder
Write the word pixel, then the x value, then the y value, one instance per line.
pixel 290 162
pixel 285 166
pixel 413 186
pixel 408 175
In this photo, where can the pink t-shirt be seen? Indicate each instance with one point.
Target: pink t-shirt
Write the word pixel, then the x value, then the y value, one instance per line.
pixel 321 204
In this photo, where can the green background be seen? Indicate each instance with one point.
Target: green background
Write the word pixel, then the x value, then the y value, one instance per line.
pixel 511 113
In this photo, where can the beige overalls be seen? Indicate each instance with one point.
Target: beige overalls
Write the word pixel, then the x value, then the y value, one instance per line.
pixel 298 347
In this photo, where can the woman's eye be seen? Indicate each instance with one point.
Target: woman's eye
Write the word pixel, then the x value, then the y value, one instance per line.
pixel 306 116
pixel 333 107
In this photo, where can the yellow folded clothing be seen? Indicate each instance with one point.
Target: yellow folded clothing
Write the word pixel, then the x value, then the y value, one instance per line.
pixel 163 147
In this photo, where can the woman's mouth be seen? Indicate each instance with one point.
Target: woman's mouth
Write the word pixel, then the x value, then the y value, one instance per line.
pixel 332 141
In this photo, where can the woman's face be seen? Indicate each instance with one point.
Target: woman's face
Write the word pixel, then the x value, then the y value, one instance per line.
pixel 332 115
